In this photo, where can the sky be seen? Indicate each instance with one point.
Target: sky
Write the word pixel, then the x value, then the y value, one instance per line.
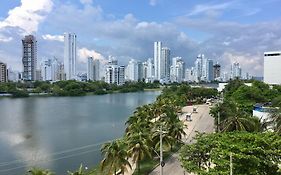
pixel 224 30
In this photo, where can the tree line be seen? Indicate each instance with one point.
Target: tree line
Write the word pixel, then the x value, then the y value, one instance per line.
pixel 242 143
pixel 71 88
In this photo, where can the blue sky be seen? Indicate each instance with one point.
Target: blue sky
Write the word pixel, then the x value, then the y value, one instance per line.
pixel 224 30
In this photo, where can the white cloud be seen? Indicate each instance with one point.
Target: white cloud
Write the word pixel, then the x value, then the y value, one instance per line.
pixel 84 53
pixel 86 2
pixel 208 8
pixel 5 39
pixel 53 37
pixel 28 15
pixel 153 2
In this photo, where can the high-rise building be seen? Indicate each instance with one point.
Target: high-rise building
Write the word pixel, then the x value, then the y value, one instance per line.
pixel 148 70
pixel 217 71
pixel 210 70
pixel 46 70
pixel 29 58
pixel 133 71
pixel 236 71
pixel 90 69
pixel 177 70
pixel 165 64
pixel 114 74
pixel 13 76
pixel 93 69
pixel 157 59
pixel 190 75
pixel 70 54
pixel 61 73
pixel 198 68
pixel 55 69
pixel 3 72
pixel 272 67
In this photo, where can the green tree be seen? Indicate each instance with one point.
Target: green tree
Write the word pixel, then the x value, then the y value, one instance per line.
pixel 253 154
pixel 139 147
pixel 115 157
pixel 78 172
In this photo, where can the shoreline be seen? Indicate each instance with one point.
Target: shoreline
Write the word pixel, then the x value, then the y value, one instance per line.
pixel 2 96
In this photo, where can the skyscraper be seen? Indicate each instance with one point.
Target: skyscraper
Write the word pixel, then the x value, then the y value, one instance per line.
pixel 3 72
pixel 90 69
pixel 29 58
pixel 148 70
pixel 93 69
pixel 177 70
pixel 157 59
pixel 165 64
pixel 217 71
pixel 272 67
pixel 190 75
pixel 210 70
pixel 198 68
pixel 46 70
pixel 114 74
pixel 70 55
pixel 236 71
pixel 133 71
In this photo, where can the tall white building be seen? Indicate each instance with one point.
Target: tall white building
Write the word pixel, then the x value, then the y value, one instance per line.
pixel 236 71
pixel 90 69
pixel 70 54
pixel 46 70
pixel 198 68
pixel 148 70
pixel 114 74
pixel 157 59
pixel 177 70
pixel 190 75
pixel 272 67
pixel 55 69
pixel 133 71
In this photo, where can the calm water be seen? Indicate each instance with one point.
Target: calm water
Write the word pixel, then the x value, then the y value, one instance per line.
pixel 59 133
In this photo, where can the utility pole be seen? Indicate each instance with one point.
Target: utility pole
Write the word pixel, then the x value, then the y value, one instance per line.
pixel 219 120
pixel 161 151
pixel 231 165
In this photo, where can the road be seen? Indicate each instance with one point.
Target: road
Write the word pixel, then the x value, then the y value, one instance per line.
pixel 201 122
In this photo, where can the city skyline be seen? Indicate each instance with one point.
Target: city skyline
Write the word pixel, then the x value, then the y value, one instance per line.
pixel 236 30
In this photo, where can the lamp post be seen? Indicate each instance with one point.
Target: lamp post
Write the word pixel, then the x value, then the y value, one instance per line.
pixel 161 151
pixel 231 165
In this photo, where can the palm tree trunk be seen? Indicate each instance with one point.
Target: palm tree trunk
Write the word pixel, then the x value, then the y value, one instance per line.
pixel 139 166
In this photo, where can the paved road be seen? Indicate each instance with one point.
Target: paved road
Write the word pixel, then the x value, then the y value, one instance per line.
pixel 201 122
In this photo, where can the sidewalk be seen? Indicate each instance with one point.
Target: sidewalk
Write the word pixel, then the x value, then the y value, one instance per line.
pixel 201 122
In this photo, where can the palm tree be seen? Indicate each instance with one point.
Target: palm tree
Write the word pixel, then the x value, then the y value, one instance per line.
pixel 139 146
pixel 115 157
pixel 37 171
pixel 79 172
pixel 176 131
pixel 239 123
pixel 276 120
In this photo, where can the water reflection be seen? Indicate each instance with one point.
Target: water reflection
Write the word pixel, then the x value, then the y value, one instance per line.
pixel 44 131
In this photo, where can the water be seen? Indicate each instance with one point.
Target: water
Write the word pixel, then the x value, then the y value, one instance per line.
pixel 60 133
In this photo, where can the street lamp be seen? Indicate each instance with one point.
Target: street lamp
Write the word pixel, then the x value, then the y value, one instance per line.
pixel 162 163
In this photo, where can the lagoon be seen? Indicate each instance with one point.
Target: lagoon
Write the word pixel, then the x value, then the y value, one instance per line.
pixel 60 133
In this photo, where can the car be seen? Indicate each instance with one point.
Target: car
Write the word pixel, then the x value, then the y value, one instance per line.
pixel 188 117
